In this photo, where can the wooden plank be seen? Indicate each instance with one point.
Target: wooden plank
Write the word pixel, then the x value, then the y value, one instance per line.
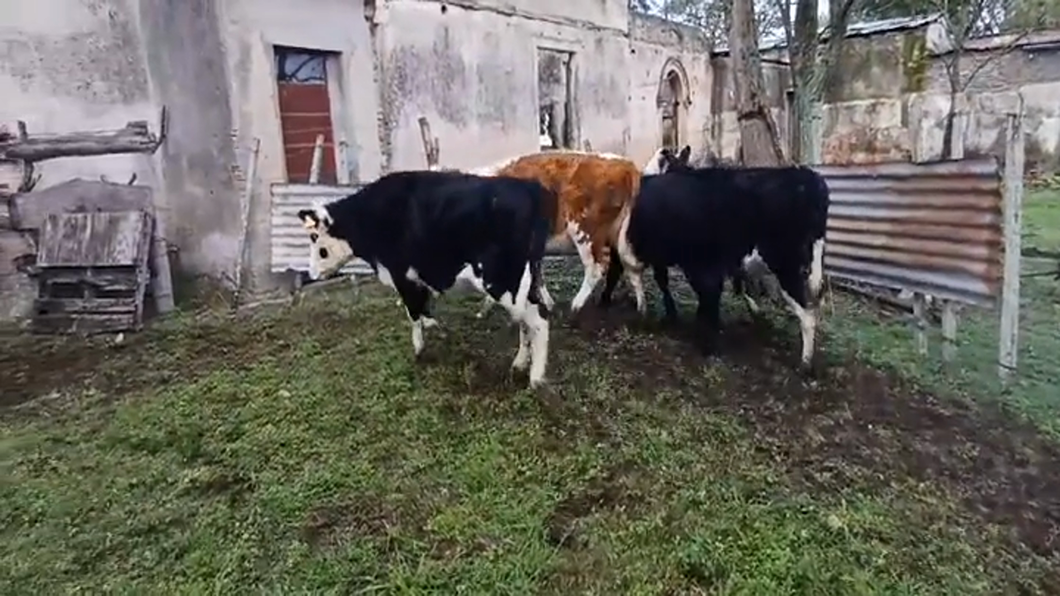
pixel 54 306
pixel 87 324
pixel 949 331
pixel 92 239
pixel 102 279
pixel 1008 341
pixel 29 210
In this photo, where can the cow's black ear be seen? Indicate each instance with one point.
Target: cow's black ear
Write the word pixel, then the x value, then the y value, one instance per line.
pixel 685 153
pixel 309 218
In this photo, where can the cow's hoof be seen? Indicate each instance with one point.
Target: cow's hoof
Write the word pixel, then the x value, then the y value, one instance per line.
pixel 808 371
pixel 537 384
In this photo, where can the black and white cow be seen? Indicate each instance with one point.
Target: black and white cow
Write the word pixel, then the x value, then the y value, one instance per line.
pixel 425 231
pixel 715 222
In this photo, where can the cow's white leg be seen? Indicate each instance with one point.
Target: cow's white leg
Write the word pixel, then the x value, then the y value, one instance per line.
pixel 546 297
pixel 593 271
pixel 417 332
pixel 636 281
pixel 522 357
pixel 538 330
pixel 533 329
pixel 807 325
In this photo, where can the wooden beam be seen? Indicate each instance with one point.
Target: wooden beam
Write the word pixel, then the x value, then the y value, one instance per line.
pixel 133 138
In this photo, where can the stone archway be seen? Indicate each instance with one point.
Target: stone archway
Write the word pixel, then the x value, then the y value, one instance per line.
pixel 672 101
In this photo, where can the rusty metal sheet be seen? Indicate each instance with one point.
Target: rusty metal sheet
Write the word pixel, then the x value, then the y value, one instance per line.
pixel 289 242
pixel 935 228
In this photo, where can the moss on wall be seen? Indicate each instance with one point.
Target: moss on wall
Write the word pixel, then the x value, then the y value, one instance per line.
pixel 915 62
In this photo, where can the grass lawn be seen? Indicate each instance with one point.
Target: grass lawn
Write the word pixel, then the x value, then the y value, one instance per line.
pixel 302 450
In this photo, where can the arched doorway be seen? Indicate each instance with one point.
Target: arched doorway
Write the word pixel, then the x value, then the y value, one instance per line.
pixel 672 102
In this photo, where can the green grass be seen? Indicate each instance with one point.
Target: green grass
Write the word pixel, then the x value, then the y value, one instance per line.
pixel 303 450
pixel 888 341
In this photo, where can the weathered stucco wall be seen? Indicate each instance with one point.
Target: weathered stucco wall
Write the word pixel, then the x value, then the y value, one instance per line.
pixel 891 100
pixel 75 66
pixel 472 71
pixel 658 47
pixel 251 29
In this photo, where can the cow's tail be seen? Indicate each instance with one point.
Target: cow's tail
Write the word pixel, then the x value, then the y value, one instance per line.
pixel 539 237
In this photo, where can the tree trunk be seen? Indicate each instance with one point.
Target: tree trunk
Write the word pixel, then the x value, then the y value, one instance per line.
pixel 758 131
pixel 949 131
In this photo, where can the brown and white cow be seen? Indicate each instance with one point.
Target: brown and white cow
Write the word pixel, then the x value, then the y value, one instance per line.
pixel 595 193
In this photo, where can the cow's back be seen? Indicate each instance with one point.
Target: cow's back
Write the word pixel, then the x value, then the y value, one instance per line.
pixel 591 190
pixel 487 221
pixel 685 216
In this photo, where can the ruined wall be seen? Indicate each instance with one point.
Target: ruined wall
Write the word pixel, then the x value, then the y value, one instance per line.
pixel 471 68
pixel 656 47
pixel 724 127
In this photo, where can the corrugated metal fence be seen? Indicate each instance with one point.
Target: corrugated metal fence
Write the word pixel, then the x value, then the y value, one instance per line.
pixel 932 228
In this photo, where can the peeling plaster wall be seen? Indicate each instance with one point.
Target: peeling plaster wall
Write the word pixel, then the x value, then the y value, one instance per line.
pixel 657 44
pixel 892 99
pixel 471 69
pixel 68 66
pixel 251 28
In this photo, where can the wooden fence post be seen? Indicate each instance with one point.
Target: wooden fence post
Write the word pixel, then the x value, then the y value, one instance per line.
pixel 1008 342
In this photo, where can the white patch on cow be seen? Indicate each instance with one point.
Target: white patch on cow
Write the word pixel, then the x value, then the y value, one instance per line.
pixel 817 267
pixel 491 170
pixel 593 271
pixel 753 260
pixel 634 269
pixel 807 325
pixel 428 322
pixel 654 165
pixel 414 276
pixel 384 277
pixel 417 336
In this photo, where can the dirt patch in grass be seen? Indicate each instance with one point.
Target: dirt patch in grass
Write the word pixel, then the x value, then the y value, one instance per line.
pixel 179 350
pixel 368 516
pixel 854 425
pixel 616 488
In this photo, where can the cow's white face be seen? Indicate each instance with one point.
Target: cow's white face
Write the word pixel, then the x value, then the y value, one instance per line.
pixel 327 254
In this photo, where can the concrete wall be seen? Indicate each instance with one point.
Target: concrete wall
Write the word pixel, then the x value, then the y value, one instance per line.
pixel 471 69
pixel 76 66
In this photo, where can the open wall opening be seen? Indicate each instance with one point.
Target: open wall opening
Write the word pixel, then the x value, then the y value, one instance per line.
pixel 556 126
pixel 305 101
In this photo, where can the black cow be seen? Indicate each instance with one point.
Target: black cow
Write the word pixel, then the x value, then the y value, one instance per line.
pixel 423 231
pixel 714 222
